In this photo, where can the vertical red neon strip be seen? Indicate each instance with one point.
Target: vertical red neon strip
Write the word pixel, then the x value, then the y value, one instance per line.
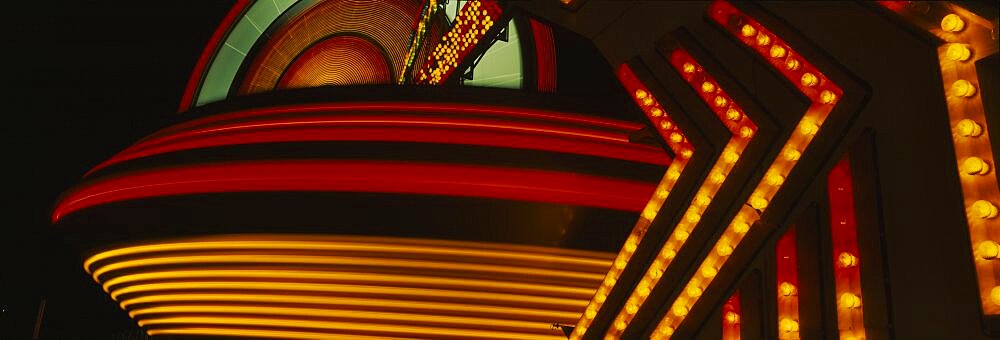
pixel 846 266
pixel 788 286
pixel 545 56
pixel 731 318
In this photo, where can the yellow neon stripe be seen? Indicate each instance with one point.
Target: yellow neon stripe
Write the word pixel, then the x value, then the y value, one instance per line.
pixel 584 258
pixel 366 277
pixel 262 333
pixel 509 312
pixel 347 288
pixel 406 330
pixel 475 322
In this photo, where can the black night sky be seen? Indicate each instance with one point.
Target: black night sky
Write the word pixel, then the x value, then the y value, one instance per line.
pixel 83 79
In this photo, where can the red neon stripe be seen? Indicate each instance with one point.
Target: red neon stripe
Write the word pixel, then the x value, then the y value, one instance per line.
pixel 545 56
pixel 844 239
pixel 412 107
pixel 634 152
pixel 364 176
pixel 187 99
pixel 731 318
pixel 787 273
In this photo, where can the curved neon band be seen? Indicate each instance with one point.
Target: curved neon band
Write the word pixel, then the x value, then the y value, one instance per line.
pixel 364 176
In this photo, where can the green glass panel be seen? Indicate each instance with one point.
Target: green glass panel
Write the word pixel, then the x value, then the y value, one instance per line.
pixel 501 65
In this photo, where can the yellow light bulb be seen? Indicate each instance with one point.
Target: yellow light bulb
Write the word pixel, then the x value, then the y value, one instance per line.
pixel 649 212
pixel 975 166
pixel 849 301
pixel 792 154
pixel 988 250
pixel 733 114
pixel 808 127
pixel 687 153
pixel 730 156
pixel 643 291
pixel 669 253
pixel 792 64
pixel 648 101
pixel 709 272
pixel 847 260
pixel 809 79
pixel 630 244
pixel 758 202
pixel 774 178
pixel 600 297
pixel 827 97
pixel 717 177
pixel 787 289
pixel 680 310
pixel 702 199
pixel 995 295
pixel 682 235
pixel 777 51
pixel 656 112
pixel 741 227
pixel 963 88
pixel 788 325
pixel 662 193
pixel 952 23
pixel 732 318
pixel 694 291
pixel 983 209
pixel 763 39
pixel 688 68
pixel 620 263
pixel 746 132
pixel 708 87
pixel 748 31
pixel 591 312
pixel 620 325
pixel 968 128
pixel 673 174
pixel 721 101
pixel 640 94
pixel 631 308
pixel 676 137
pixel 692 217
pixel 667 125
pixel 957 52
pixel 724 249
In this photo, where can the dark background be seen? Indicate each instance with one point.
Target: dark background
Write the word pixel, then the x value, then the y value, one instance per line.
pixel 83 79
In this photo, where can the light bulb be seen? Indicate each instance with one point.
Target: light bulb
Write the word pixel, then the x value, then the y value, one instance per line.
pixel 983 209
pixel 687 153
pixel 963 88
pixel 676 137
pixel 809 79
pixel 724 249
pixel 952 23
pixel 620 325
pixel 975 166
pixel 630 244
pixel 968 128
pixel 748 31
pixel 733 114
pixel 688 68
pixel 648 101
pixel 732 317
pixel 763 39
pixel 717 177
pixel 666 125
pixel 741 227
pixel 702 199
pixel 682 235
pixel 591 312
pixel 721 101
pixel 709 272
pixel 788 325
pixel 792 64
pixel 847 260
pixel 995 295
pixel 849 301
pixel 777 51
pixel 656 112
pixel 746 132
pixel 774 178
pixel 792 154
pixel 694 291
pixel 957 52
pixel 680 310
pixel 786 289
pixel 988 250
pixel 827 97
pixel 641 94
pixel 692 217
pixel 808 127
pixel 758 202
pixel 610 281
pixel 673 174
pixel 631 308
pixel 708 87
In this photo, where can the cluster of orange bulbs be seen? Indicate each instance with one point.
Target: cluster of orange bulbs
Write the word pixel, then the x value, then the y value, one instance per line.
pixel 679 144
pixel 471 24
